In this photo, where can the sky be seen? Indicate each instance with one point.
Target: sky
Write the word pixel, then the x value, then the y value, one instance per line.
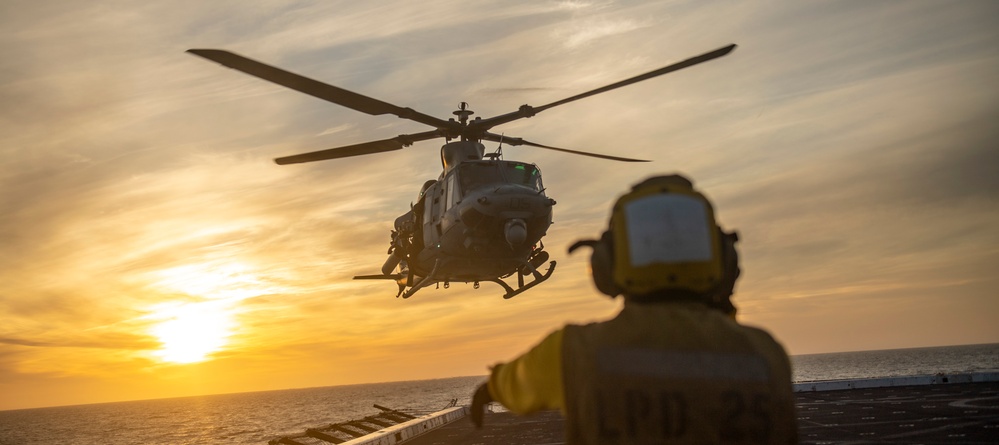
pixel 150 247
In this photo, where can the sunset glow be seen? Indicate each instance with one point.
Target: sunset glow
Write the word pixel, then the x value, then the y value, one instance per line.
pixel 150 246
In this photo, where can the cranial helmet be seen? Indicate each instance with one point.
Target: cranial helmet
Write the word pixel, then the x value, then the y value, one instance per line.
pixel 663 243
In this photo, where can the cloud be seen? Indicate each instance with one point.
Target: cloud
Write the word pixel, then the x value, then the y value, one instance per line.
pixel 588 31
pixel 107 341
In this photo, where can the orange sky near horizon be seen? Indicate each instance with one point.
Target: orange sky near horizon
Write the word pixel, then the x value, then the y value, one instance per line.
pixel 149 246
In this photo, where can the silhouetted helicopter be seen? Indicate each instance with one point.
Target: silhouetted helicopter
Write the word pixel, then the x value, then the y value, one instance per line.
pixel 484 217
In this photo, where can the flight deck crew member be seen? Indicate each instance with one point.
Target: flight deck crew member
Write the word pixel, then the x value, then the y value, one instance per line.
pixel 673 366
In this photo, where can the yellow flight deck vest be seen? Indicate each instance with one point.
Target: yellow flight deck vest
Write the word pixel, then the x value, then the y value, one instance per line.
pixel 676 373
pixel 671 372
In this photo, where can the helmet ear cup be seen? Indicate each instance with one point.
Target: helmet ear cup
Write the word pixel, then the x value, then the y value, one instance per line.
pixel 730 259
pixel 721 297
pixel 602 266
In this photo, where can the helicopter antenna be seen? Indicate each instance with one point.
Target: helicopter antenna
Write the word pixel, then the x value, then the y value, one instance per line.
pixel 498 154
pixel 463 112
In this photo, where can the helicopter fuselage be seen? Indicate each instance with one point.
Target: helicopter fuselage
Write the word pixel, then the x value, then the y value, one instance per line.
pixel 482 222
pixel 481 219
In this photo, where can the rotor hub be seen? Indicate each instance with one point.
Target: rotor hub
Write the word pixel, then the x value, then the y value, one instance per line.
pixel 463 112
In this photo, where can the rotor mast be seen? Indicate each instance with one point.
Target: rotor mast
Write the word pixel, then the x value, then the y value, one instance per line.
pixel 463 113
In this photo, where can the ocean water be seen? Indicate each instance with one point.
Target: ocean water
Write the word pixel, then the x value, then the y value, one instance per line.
pixel 256 417
pixel 895 362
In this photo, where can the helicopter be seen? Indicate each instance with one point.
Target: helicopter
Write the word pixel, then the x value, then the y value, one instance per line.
pixel 483 218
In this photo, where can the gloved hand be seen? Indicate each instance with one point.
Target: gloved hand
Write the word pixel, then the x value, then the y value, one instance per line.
pixel 480 399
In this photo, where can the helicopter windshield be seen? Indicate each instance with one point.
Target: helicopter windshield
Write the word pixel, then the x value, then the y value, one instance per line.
pixel 478 174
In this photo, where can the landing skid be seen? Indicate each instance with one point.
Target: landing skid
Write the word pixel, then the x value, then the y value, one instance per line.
pixel 403 280
pixel 420 284
pixel 538 278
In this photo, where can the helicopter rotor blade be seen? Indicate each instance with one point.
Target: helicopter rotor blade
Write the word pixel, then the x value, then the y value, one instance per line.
pixel 529 111
pixel 315 88
pixel 518 141
pixel 365 148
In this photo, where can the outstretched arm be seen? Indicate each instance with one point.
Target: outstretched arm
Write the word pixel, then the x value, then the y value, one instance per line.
pixel 529 383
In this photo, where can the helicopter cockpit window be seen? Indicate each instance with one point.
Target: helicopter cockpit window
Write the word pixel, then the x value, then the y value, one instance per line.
pixel 522 174
pixel 478 174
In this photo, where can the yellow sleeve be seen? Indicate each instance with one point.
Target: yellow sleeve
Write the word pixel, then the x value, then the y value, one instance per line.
pixel 533 381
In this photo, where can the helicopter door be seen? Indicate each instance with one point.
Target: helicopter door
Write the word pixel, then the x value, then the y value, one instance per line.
pixel 443 202
pixel 431 213
pixel 451 192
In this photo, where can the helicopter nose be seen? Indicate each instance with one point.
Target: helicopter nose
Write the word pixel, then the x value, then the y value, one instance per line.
pixel 515 231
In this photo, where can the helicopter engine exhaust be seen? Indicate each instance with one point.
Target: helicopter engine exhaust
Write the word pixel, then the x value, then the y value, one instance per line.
pixel 515 232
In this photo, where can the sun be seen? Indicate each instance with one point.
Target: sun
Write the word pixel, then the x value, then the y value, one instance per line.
pixel 191 332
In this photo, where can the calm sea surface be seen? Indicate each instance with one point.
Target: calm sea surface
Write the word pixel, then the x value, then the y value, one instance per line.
pixel 255 418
